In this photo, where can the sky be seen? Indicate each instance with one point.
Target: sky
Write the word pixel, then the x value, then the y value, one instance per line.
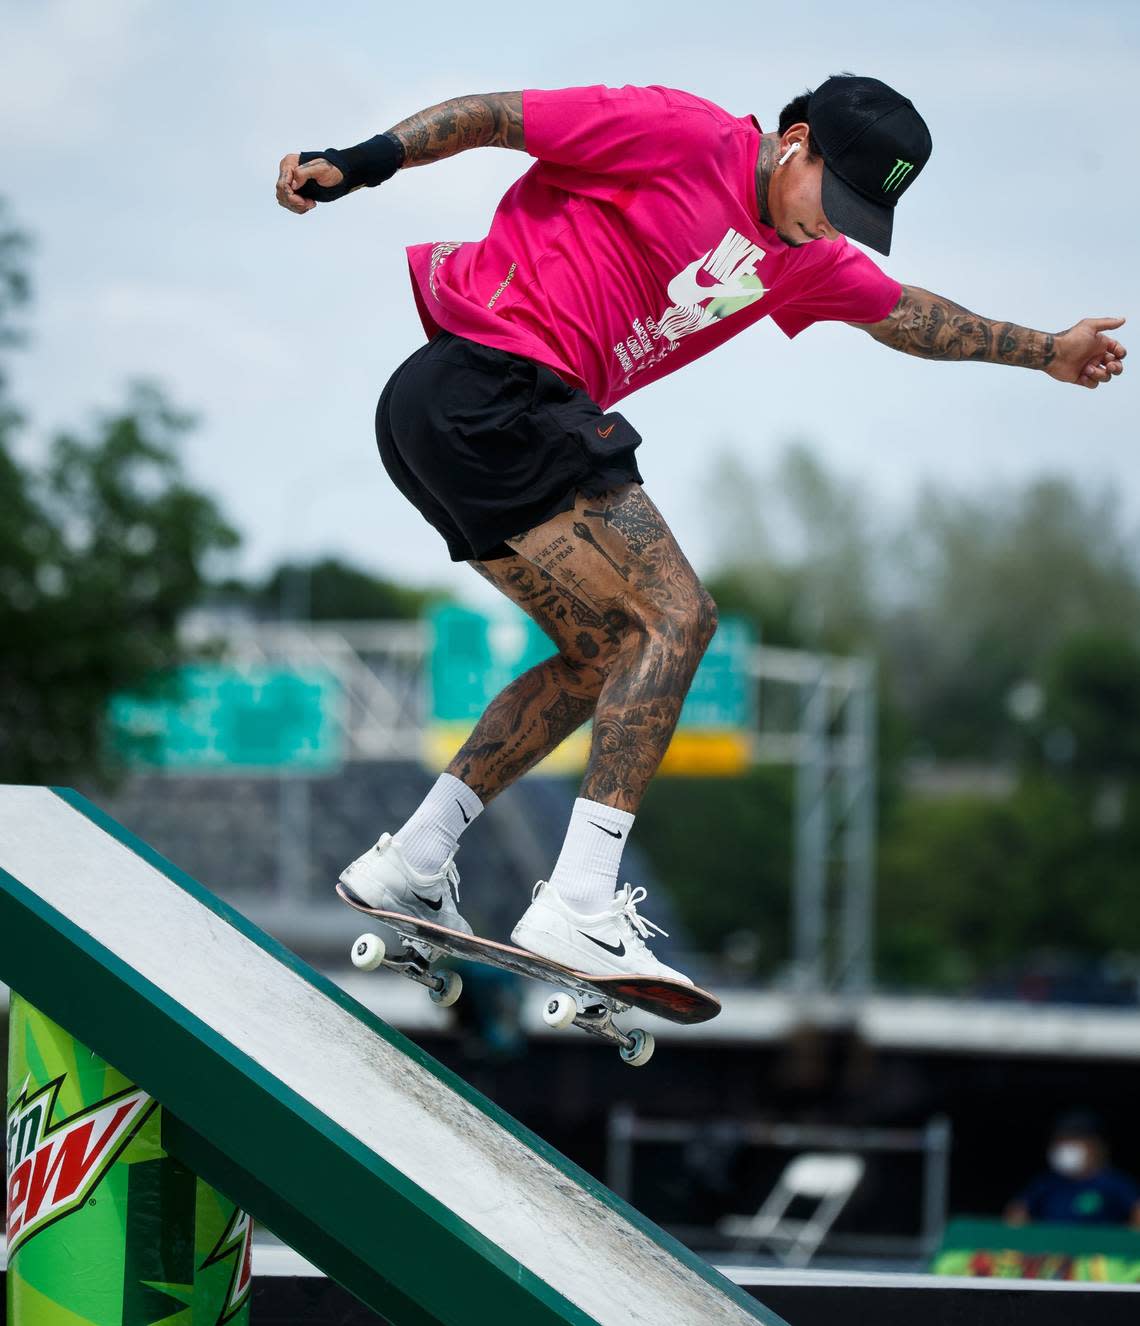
pixel 141 149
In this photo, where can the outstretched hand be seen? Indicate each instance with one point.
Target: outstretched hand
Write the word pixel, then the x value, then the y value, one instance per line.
pixel 1085 355
pixel 291 177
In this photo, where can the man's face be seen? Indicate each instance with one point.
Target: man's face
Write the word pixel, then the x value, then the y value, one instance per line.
pixel 794 193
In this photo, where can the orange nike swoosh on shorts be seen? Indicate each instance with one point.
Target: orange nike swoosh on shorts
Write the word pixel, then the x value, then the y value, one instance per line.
pixel 605 432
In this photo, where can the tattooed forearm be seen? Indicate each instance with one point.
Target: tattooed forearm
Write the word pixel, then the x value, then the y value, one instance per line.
pixel 933 327
pixel 493 119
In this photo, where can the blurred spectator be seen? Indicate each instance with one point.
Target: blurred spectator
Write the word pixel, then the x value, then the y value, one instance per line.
pixel 1079 1187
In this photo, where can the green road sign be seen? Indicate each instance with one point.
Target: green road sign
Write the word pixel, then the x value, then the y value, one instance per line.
pixel 218 719
pixel 475 655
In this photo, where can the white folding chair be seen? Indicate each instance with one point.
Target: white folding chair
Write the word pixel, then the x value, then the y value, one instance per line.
pixel 827 1178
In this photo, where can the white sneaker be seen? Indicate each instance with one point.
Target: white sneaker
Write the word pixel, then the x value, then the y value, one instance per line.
pixel 382 878
pixel 609 943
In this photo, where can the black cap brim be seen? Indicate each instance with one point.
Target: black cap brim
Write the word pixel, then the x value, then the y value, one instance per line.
pixel 855 216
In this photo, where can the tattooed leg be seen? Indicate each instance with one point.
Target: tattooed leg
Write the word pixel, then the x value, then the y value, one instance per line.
pixel 617 554
pixel 538 710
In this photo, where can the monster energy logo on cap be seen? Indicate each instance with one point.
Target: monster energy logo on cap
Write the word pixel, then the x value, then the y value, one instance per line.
pixel 859 124
pixel 898 172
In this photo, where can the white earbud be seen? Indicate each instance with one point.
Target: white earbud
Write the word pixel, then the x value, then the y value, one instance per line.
pixel 795 147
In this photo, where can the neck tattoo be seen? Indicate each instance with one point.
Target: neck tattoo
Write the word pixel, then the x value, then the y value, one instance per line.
pixel 765 165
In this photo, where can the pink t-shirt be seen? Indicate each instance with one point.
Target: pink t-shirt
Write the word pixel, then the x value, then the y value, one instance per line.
pixel 634 245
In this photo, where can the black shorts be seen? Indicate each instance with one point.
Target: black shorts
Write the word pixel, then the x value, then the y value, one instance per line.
pixel 487 445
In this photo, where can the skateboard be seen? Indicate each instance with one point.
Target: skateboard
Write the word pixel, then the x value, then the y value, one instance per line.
pixel 585 1001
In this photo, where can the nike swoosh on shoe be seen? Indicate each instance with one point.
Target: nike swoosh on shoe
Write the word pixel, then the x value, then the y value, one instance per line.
pixel 618 949
pixel 434 903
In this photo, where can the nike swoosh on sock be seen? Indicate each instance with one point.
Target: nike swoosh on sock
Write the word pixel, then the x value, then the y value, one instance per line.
pixel 614 833
pixel 466 817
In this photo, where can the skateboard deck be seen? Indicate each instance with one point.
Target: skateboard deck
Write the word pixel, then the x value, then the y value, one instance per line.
pixel 673 1000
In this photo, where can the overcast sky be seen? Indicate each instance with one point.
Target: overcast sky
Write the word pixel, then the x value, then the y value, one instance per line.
pixel 141 146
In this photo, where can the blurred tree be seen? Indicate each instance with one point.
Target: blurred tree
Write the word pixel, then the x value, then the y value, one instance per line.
pixel 995 584
pixel 960 599
pixel 969 888
pixel 111 548
pixel 967 601
pixel 1092 703
pixel 796 552
pixel 331 590
pixel 101 552
pixel 731 883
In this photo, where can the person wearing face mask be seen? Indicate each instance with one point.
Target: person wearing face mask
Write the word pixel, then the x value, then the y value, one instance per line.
pixel 1079 1187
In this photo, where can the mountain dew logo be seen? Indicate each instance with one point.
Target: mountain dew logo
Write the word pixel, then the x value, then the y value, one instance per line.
pixel 54 1168
pixel 897 175
pixel 236 1241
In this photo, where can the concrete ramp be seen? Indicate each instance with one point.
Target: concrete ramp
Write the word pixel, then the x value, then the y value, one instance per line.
pixel 377 1164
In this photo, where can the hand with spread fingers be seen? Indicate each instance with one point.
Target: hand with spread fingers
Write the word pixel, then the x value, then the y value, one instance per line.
pixel 292 177
pixel 1085 355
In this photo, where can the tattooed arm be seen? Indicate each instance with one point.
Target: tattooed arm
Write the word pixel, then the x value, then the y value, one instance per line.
pixel 933 327
pixel 493 119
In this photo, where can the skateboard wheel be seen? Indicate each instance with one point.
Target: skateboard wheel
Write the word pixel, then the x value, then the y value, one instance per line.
pixel 641 1051
pixel 368 952
pixel 560 1011
pixel 450 991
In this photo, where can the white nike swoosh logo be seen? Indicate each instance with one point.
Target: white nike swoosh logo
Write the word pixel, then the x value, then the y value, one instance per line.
pixel 685 290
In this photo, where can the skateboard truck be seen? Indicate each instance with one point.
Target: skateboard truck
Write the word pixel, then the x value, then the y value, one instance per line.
pixel 564 1010
pixel 444 987
pixel 582 999
pixel 583 1009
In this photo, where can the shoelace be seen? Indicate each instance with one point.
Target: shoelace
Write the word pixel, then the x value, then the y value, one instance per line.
pixel 450 873
pixel 453 878
pixel 641 924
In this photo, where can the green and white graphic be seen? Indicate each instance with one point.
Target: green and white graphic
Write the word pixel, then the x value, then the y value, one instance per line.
pixel 103 1226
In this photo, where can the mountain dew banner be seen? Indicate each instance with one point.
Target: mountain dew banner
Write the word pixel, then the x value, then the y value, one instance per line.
pixel 103 1226
pixel 1107 1254
pixel 474 655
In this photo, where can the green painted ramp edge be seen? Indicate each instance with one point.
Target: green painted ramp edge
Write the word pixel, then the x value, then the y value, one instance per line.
pixel 697 1265
pixel 190 1068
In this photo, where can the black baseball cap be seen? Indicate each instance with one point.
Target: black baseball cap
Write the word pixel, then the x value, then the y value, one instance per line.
pixel 874 145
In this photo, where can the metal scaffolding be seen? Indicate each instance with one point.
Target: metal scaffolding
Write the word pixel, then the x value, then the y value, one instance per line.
pixel 832 748
pixel 815 712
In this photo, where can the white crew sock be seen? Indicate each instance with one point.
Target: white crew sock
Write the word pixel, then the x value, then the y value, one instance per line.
pixel 585 877
pixel 432 834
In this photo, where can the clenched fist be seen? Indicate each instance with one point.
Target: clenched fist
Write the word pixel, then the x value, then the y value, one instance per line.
pixel 291 176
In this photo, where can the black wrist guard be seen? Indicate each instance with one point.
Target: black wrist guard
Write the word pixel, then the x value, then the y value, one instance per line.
pixel 366 164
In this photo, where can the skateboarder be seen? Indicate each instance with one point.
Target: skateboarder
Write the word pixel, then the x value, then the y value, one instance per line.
pixel 652 226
